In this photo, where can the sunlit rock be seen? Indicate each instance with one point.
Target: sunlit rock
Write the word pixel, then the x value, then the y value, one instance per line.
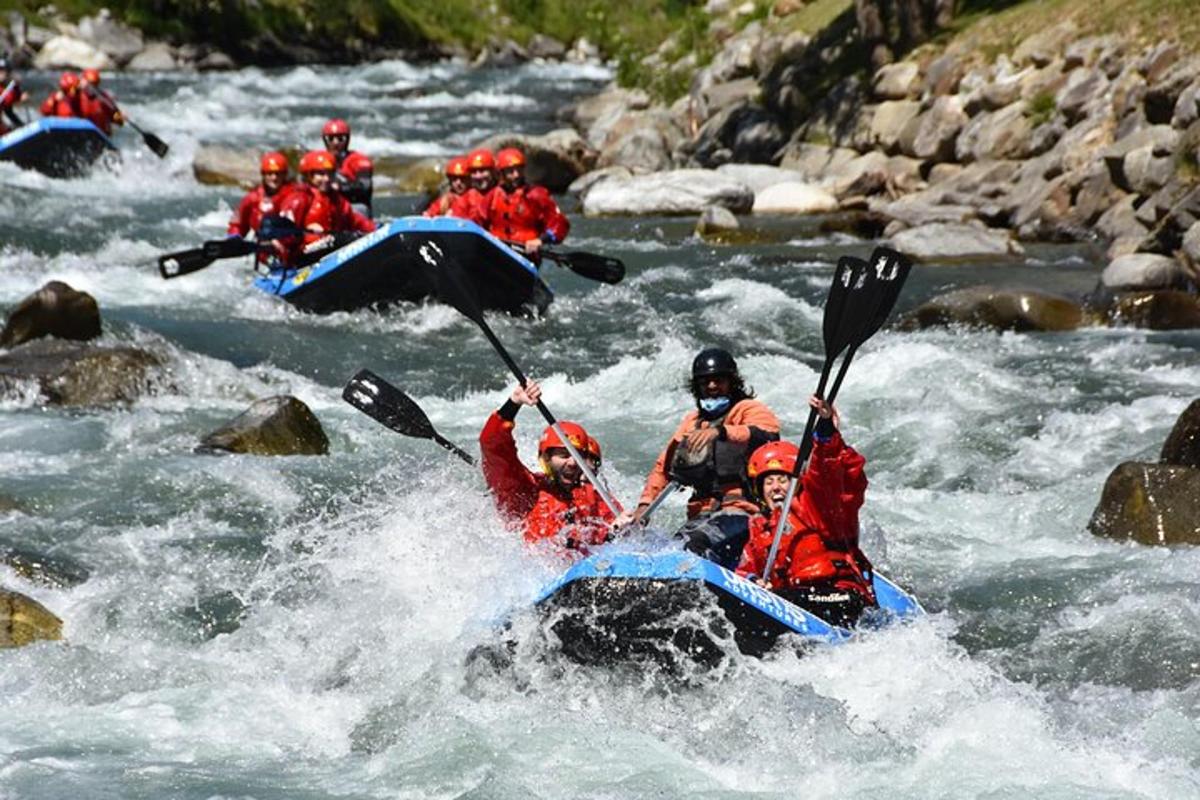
pixel 1165 310
pixel 24 620
pixel 221 165
pixel 794 198
pixel 939 241
pixel 273 426
pixel 996 308
pixel 1182 447
pixel 683 191
pixel 54 310
pixel 1152 504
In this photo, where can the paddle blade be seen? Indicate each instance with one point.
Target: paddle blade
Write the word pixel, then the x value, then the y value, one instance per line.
pixel 172 265
pixel 591 265
pixel 848 306
pixel 156 144
pixel 387 405
pixel 891 270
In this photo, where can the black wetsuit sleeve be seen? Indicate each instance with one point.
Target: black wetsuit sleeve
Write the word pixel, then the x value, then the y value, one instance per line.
pixel 508 411
pixel 759 437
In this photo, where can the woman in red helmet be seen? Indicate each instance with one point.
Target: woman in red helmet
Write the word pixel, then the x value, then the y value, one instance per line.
pixel 473 204
pixel 819 565
pixel 97 105
pixel 524 215
pixel 320 209
pixel 65 101
pixel 264 200
pixel 458 178
pixel 556 505
pixel 353 171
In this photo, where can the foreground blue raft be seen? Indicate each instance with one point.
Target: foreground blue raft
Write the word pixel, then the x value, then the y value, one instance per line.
pixel 57 146
pixel 632 606
pixel 401 262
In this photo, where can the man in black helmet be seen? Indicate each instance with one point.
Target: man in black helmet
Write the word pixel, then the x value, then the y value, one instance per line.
pixel 708 452
pixel 10 94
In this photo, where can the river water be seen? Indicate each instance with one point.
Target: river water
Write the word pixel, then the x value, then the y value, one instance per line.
pixel 297 627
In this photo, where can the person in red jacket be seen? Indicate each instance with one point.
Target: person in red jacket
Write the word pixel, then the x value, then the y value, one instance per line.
pixel 457 177
pixel 11 93
pixel 819 565
pixel 319 209
pixel 556 506
pixel 264 200
pixel 521 214
pixel 66 101
pixel 353 171
pixel 98 106
pixel 474 203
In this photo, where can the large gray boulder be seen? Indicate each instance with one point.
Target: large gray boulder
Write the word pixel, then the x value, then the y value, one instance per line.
pixel 54 310
pixel 794 197
pixel 996 308
pixel 157 57
pixel 1152 504
pixel 273 426
pixel 77 374
pixel 1182 447
pixel 1003 134
pixel 63 52
pixel 931 135
pixel 1142 271
pixel 682 191
pixel 110 36
pixel 940 241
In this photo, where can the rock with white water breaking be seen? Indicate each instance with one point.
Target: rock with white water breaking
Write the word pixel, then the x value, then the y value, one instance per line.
pixel 996 308
pixel 54 310
pixel 273 426
pixel 1152 504
pixel 683 191
pixel 942 241
pixel 794 197
pixel 69 373
pixel 1162 310
pixel 1182 447
pixel 24 620
pixel 49 570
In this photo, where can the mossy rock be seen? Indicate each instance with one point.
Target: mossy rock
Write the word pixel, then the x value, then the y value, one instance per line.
pixel 1152 504
pixel 24 620
pixel 999 309
pixel 273 426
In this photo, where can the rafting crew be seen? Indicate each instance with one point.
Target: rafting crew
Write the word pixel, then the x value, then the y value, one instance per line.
pixel 97 105
pixel 556 507
pixel 819 565
pixel 708 453
pixel 319 210
pixel 473 204
pixel 66 100
pixel 353 171
pixel 520 214
pixel 458 181
pixel 11 93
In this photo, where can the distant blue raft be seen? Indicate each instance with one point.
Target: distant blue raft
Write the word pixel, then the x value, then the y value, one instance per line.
pixel 633 606
pixel 400 262
pixel 60 147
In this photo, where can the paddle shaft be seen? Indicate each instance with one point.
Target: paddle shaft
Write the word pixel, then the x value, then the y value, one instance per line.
pixel 7 90
pixel 667 491
pixel 584 466
pixel 146 137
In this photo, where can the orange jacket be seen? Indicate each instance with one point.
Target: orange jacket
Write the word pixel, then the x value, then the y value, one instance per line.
pixel 820 544
pixel 747 419
pixel 533 503
pixel 527 212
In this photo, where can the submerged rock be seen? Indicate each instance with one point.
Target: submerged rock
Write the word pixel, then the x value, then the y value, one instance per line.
pixel 1182 447
pixel 1166 310
pixel 48 570
pixel 24 620
pixel 999 309
pixel 54 310
pixel 77 374
pixel 1152 504
pixel 273 426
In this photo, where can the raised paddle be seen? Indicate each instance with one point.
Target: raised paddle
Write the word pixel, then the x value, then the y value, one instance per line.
pixel 156 144
pixel 384 403
pixel 453 288
pixel 183 262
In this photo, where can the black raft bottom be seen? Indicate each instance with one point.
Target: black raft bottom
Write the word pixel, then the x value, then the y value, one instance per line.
pixel 61 154
pixel 611 621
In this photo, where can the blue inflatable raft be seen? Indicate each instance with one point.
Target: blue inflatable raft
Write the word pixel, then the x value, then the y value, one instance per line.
pixel 60 147
pixel 633 606
pixel 400 262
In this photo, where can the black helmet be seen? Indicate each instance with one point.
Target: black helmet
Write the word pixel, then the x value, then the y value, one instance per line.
pixel 713 361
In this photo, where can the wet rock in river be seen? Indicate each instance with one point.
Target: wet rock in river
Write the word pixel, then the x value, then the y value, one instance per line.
pixel 1182 447
pixel 273 426
pixel 1152 504
pixel 54 310
pixel 1165 310
pixel 48 570
pixel 77 374
pixel 999 309
pixel 24 620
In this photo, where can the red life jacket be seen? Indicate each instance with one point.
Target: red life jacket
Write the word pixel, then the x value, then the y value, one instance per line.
pixel 473 205
pixel 440 207
pixel 535 504
pixel 102 114
pixel 59 105
pixel 330 212
pixel 527 212
pixel 356 172
pixel 254 206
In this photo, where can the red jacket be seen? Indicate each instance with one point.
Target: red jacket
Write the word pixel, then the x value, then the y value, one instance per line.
pixel 321 214
pixel 820 544
pixel 254 206
pixel 527 212
pixel 354 177
pixel 473 205
pixel 533 502
pixel 7 105
pixel 94 108
pixel 59 105
pixel 440 207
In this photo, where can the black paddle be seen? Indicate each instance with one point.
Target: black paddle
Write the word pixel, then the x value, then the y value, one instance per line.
pixel 454 288
pixel 593 266
pixel 183 262
pixel 391 407
pixel 156 144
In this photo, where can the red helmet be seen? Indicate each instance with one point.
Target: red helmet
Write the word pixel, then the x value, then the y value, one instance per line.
pixel 575 434
pixel 771 457
pixel 68 81
pixel 92 76
pixel 481 159
pixel 593 450
pixel 317 161
pixel 336 127
pixel 273 162
pixel 510 157
pixel 457 167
